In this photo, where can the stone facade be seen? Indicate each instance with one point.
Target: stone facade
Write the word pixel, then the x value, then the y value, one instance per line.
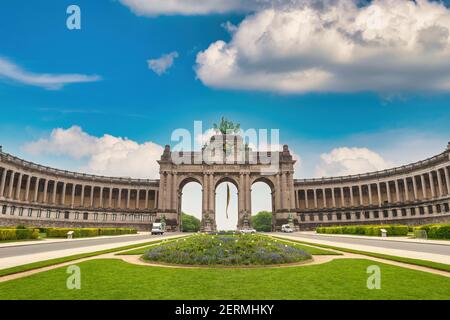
pixel 41 196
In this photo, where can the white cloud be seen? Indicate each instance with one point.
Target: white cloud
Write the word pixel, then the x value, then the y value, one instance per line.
pixel 346 161
pixel 163 63
pixel 106 155
pixel 191 7
pixel 13 72
pixel 335 46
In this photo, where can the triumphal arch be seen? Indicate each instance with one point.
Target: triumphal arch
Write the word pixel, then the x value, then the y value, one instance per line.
pixel 226 158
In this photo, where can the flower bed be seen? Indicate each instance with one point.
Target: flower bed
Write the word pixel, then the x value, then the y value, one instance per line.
pixel 230 250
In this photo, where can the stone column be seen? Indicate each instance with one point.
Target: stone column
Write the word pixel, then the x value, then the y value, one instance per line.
pixel 2 183
pixel 424 186
pixel 333 197
pixel 110 197
pixel 352 200
pixel 44 197
pixel 415 187
pixel 433 191
pixel 63 194
pixel 169 191
pixel 127 205
pixel 361 199
pixel 137 198
pixel 315 199
pixel 36 189
pixel 324 193
pixel 249 196
pixel 380 202
pixel 388 192
pixel 278 192
pixel 439 179
pixel 405 182
pixel 146 198
pixel 212 193
pixel 291 191
pixel 283 191
pixel 55 188
pixel 306 199
pixel 241 194
pixel 72 200
pixel 161 203
pixel 397 190
pixel 119 198
pixel 175 191
pixel 342 197
pixel 19 186
pixel 101 197
pixel 447 180
pixel 27 188
pixel 82 195
pixel 205 193
pixel 369 189
pixel 92 196
pixel 11 184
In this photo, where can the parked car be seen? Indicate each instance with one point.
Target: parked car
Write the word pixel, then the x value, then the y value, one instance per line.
pixel 286 228
pixel 157 228
pixel 245 231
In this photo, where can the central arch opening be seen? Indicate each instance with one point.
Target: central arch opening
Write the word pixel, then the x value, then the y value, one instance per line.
pixel 262 205
pixel 191 205
pixel 226 219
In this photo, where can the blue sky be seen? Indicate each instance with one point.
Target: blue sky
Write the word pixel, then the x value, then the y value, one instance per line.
pixel 130 100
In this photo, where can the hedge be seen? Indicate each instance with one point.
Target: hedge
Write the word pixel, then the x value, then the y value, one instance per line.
pixel 86 232
pixel 18 234
pixel 436 231
pixel 367 230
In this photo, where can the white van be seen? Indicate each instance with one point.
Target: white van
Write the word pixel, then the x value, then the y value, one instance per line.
pixel 157 228
pixel 286 228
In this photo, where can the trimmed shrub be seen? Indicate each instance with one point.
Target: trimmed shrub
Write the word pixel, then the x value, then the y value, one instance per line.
pixel 436 231
pixel 368 230
pixel 87 232
pixel 18 234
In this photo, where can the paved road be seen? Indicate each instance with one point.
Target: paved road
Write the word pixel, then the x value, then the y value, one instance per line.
pixel 19 250
pixel 398 245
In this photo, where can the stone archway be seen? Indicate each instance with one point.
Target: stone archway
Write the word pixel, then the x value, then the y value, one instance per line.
pixel 209 168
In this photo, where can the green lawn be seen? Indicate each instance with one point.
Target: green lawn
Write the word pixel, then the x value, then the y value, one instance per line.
pixel 51 262
pixel 417 262
pixel 339 279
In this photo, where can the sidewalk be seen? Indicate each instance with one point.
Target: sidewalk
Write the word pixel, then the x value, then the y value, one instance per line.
pixel 368 248
pixel 396 238
pixel 57 240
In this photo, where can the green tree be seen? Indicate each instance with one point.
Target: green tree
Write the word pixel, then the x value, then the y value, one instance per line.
pixel 262 221
pixel 189 223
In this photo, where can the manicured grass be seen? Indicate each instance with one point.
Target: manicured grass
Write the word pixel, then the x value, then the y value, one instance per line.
pixel 51 262
pixel 417 262
pixel 309 249
pixel 338 279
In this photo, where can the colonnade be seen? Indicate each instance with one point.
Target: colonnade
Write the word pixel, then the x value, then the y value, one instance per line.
pixel 428 185
pixel 25 187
